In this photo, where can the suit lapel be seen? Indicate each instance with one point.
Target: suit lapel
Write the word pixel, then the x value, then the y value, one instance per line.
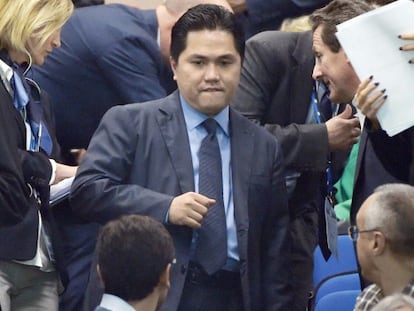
pixel 8 101
pixel 171 121
pixel 242 144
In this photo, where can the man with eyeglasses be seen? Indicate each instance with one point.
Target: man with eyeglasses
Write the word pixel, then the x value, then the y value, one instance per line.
pixel 385 243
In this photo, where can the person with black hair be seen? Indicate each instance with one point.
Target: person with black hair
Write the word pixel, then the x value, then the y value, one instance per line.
pixel 135 254
pixel 215 179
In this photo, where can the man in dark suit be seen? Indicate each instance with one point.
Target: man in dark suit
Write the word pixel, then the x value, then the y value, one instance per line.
pixel 277 91
pixel 146 244
pixel 145 159
pixel 110 55
pixel 334 67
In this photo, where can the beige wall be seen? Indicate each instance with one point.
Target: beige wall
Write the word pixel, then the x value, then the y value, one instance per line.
pixel 142 4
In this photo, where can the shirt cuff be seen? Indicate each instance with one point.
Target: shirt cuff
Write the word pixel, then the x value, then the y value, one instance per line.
pixel 53 175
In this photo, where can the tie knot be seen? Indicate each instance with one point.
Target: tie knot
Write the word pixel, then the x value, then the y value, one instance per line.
pixel 210 125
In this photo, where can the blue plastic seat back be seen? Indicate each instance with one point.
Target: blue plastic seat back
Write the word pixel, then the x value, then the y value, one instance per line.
pixel 346 261
pixel 336 283
pixel 338 301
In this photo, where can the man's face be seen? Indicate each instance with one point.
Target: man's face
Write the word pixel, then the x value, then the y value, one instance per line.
pixel 334 69
pixel 363 242
pixel 208 70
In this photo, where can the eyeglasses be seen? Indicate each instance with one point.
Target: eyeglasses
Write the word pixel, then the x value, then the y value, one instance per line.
pixel 353 232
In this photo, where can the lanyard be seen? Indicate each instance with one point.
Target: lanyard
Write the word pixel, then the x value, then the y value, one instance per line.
pixel 317 114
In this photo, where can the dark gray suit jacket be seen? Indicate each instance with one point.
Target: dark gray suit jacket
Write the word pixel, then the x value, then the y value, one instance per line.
pixel 275 91
pixel 109 56
pixel 139 160
pixel 381 160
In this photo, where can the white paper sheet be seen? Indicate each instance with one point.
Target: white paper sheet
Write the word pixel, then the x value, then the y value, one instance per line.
pixel 371 43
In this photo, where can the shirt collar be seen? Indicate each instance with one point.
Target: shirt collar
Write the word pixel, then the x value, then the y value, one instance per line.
pixel 194 118
pixel 112 302
pixel 6 73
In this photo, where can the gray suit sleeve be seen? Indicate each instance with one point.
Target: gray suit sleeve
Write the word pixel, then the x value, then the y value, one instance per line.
pixel 265 90
pixel 101 190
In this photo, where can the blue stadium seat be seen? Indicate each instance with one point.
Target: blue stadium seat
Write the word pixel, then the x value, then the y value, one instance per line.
pixel 336 283
pixel 338 301
pixel 346 261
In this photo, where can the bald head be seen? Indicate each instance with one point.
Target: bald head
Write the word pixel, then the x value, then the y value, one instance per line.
pixel 179 7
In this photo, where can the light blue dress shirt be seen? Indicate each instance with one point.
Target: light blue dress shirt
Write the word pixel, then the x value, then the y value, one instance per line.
pixel 196 133
pixel 115 303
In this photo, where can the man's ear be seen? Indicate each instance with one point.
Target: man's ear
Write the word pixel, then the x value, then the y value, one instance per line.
pixel 379 243
pixel 173 65
pixel 98 270
pixel 165 277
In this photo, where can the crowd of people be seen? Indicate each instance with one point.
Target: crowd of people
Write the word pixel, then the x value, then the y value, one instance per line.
pixel 211 157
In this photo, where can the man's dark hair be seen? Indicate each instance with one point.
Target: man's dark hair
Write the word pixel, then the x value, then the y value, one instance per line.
pixel 205 17
pixel 335 13
pixel 133 251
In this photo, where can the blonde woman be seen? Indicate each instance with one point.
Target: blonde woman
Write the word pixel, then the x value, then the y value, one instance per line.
pixel 29 31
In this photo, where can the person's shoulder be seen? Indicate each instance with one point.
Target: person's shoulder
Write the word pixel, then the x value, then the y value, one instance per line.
pixel 146 107
pixel 274 37
pixel 113 8
pixel 368 298
pixel 248 125
pixel 279 46
pixel 115 18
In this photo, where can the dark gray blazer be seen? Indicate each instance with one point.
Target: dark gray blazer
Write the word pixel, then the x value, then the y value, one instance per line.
pixel 109 56
pixel 139 160
pixel 381 160
pixel 275 91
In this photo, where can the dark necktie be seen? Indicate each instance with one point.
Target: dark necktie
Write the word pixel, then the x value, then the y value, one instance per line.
pixel 211 250
pixel 325 113
pixel 324 103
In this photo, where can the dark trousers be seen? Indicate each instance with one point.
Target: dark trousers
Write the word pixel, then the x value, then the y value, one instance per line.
pixel 304 238
pixel 219 292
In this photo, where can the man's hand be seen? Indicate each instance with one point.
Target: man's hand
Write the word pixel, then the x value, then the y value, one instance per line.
pixel 64 171
pixel 368 101
pixel 189 209
pixel 343 130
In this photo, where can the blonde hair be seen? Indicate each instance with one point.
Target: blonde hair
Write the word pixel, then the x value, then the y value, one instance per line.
pixel 298 24
pixel 24 19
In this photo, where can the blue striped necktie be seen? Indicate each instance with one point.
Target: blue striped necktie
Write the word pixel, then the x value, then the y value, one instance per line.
pixel 211 250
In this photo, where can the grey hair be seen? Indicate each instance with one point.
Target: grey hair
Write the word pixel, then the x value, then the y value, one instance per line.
pixel 392 212
pixel 394 302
